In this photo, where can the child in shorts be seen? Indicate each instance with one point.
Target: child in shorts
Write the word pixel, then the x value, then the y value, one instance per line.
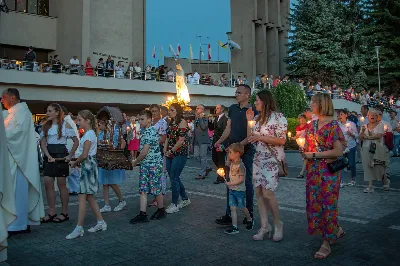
pixel 237 188
pixel 151 169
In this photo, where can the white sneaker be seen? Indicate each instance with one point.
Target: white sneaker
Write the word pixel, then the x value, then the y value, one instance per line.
pixel 341 184
pixel 106 208
pixel 352 183
pixel 172 208
pixel 184 203
pixel 369 190
pixel 98 227
pixel 120 206
pixel 76 233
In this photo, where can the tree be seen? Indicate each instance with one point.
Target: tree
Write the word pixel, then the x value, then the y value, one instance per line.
pixel 383 29
pixel 316 44
pixel 290 98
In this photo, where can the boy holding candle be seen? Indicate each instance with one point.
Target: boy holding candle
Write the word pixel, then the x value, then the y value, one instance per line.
pixel 237 187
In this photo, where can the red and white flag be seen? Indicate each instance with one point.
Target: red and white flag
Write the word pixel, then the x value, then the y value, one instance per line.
pixel 154 51
pixel 209 51
pixel 179 49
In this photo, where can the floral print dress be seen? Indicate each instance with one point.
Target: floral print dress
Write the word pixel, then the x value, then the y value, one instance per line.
pixel 265 166
pixel 173 134
pixel 322 186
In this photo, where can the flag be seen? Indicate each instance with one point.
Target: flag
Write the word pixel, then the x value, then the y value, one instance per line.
pixel 191 51
pixel 171 49
pixel 179 49
pixel 209 51
pixel 162 52
pixel 222 44
pixel 154 51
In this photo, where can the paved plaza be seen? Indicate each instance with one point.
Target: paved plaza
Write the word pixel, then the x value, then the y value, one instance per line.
pixel 190 237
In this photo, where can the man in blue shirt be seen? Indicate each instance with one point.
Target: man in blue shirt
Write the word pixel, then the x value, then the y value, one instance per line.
pixel 236 131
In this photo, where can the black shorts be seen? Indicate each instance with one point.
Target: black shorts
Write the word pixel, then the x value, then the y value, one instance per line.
pixel 58 168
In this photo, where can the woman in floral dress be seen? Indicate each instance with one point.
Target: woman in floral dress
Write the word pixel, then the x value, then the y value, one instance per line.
pixel 324 143
pixel 269 136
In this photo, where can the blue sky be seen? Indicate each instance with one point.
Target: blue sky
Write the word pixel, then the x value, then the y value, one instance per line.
pixel 180 21
pixel 170 22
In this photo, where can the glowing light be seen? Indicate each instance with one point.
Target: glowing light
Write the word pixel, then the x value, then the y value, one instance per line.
pixel 251 123
pixel 221 172
pixel 289 134
pixel 301 142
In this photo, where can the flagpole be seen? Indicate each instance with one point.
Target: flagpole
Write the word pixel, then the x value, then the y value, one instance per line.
pixel 218 57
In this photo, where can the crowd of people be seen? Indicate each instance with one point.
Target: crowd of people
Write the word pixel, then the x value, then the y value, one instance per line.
pixel 247 148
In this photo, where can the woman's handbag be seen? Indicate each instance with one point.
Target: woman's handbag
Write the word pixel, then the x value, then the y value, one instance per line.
pixel 282 164
pixel 339 163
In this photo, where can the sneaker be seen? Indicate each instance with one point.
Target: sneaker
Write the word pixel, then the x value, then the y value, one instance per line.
pixel 232 230
pixel 100 226
pixel 106 208
pixel 120 206
pixel 224 220
pixel 250 225
pixel 341 184
pixel 352 183
pixel 140 218
pixel 184 203
pixel 172 208
pixel 76 233
pixel 159 214
pixel 369 190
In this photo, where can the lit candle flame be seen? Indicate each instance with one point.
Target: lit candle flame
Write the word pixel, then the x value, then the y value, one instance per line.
pixel 308 122
pixel 362 119
pixel 385 127
pixel 289 134
pixel 301 142
pixel 221 172
pixel 251 123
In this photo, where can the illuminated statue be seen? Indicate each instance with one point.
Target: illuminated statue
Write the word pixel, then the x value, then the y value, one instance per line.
pixel 181 89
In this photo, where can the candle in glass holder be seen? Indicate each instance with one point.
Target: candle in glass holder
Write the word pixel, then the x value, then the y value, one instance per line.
pixel 251 123
pixel 385 127
pixel 301 142
pixel 289 134
pixel 221 172
pixel 362 119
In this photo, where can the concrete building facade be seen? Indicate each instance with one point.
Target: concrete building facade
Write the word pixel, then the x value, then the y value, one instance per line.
pixel 261 28
pixel 95 28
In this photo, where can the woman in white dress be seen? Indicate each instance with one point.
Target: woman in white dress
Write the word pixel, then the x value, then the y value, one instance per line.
pixel 269 136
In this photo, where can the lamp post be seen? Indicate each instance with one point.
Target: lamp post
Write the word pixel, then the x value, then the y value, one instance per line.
pixel 229 34
pixel 379 74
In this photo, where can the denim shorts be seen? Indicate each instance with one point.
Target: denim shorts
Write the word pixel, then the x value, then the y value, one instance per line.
pixel 236 198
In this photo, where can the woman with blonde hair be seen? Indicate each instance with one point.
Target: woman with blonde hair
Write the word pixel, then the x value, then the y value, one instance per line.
pixel 88 67
pixel 325 143
pixel 373 151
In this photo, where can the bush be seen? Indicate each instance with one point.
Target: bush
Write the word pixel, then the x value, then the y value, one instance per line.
pixel 290 98
pixel 292 124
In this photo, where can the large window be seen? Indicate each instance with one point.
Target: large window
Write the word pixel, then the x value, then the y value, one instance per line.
pixel 40 7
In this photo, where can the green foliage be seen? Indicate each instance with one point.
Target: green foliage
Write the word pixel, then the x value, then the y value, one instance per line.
pixel 292 124
pixel 290 98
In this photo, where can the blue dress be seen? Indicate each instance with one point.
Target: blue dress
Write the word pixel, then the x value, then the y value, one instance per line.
pixel 111 177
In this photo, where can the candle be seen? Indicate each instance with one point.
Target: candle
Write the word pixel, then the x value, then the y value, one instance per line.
pixel 301 142
pixel 221 172
pixel 289 134
pixel 308 122
pixel 251 123
pixel 362 119
pixel 385 127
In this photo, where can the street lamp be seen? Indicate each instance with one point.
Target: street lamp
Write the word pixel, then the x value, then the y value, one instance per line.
pixel 229 34
pixel 379 74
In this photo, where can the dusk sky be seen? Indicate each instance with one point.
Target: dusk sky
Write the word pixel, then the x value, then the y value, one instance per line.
pixel 180 21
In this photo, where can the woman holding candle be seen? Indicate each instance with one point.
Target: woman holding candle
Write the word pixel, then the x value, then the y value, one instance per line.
pixel 301 133
pixel 373 151
pixel 269 136
pixel 324 142
pixel 133 140
pixel 350 132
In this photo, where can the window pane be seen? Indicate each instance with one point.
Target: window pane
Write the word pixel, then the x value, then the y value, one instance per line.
pixel 11 4
pixel 21 5
pixel 32 6
pixel 43 7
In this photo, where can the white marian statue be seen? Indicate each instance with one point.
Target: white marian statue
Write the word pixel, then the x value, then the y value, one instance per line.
pixel 181 89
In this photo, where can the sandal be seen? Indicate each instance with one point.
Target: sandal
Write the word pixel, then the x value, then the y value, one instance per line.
pixel 340 233
pixel 322 253
pixel 51 219
pixel 66 218
pixel 300 176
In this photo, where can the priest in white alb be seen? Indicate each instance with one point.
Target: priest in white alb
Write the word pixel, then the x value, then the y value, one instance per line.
pixel 23 159
pixel 7 199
